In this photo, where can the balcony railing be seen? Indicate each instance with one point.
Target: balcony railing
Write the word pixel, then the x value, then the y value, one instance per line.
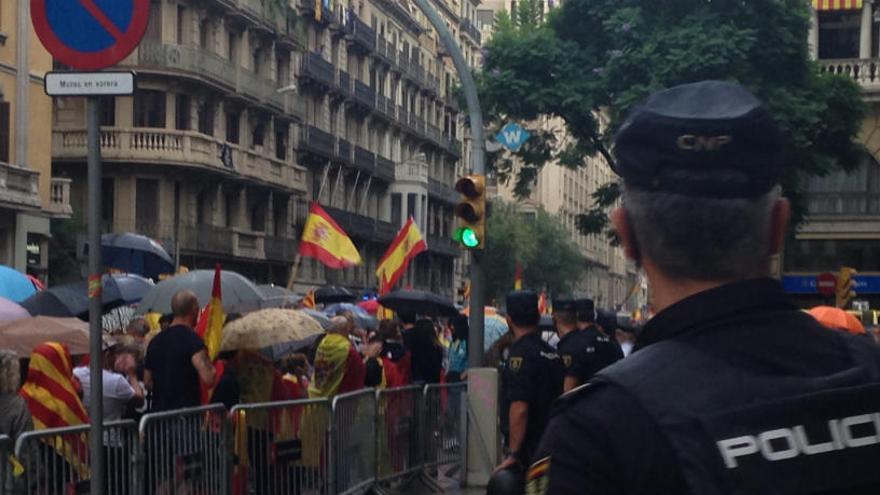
pixel 317 141
pixel 179 148
pixel 384 168
pixel 386 107
pixel 360 33
pixel 386 50
pixel 204 64
pixel 434 134
pixel 362 227
pixel 468 28
pixel 315 68
pixel 443 245
pixel 280 248
pixel 364 95
pixel 365 160
pixel 442 192
pixel 346 151
pixel 843 204
pixel 345 83
pixel 864 71
pixel 19 186
pixel 59 198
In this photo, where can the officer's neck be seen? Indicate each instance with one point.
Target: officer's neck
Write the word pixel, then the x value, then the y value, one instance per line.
pixel 565 330
pixel 667 291
pixel 520 332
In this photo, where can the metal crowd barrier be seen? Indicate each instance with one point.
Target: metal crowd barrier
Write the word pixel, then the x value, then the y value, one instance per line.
pixel 281 447
pixel 353 437
pixel 185 451
pixel 6 473
pixel 445 433
pixel 398 427
pixel 56 461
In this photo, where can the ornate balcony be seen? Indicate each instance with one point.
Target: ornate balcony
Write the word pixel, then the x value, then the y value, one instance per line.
pixel 362 227
pixel 316 69
pixel 384 168
pixel 360 34
pixel 59 198
pixel 178 148
pixel 345 87
pixel 468 28
pixel 442 192
pixel 345 152
pixel 364 95
pixel 280 248
pixel 19 186
pixel 364 160
pixel 317 142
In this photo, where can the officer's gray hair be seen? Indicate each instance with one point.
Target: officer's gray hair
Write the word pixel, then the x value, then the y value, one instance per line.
pixel 705 239
pixel 10 374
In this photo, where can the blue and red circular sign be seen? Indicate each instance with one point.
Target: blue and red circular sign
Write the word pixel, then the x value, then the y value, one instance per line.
pixel 90 34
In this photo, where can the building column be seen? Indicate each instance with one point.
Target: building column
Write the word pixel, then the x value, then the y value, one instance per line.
pixel 866 30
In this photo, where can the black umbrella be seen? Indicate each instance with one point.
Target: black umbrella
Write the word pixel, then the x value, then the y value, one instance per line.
pixel 135 253
pixel 419 302
pixel 333 294
pixel 73 299
pixel 275 296
pixel 239 293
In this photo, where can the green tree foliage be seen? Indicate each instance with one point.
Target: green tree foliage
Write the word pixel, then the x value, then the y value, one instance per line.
pixel 592 60
pixel 540 244
pixel 63 265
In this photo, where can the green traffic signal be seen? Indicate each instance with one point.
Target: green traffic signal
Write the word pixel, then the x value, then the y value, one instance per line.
pixel 468 237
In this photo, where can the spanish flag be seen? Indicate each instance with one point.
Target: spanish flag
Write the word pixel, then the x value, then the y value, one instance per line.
pixel 406 246
pixel 325 240
pixel 212 318
pixel 837 4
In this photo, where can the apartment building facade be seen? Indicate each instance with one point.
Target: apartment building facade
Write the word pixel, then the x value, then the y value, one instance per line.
pixel 29 195
pixel 247 111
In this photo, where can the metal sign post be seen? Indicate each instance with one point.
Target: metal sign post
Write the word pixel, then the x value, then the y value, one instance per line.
pixel 88 35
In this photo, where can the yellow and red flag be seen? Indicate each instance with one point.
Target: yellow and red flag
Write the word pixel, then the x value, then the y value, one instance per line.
pixel 543 307
pixel 837 4
pixel 324 240
pixel 212 318
pixel 309 300
pixel 406 246
pixel 518 277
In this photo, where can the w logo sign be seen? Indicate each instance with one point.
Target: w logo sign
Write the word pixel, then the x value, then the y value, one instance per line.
pixel 512 136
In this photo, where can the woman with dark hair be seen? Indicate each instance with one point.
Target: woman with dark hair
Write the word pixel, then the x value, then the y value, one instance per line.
pixel 458 353
pixel 427 353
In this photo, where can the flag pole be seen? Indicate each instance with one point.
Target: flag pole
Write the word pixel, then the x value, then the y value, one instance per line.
pixel 293 271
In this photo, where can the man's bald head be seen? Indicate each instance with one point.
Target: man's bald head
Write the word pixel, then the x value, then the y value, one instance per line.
pixel 340 325
pixel 185 304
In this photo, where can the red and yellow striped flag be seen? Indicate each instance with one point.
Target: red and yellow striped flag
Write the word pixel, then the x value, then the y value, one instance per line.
pixel 309 300
pixel 518 277
pixel 212 318
pixel 324 240
pixel 406 246
pixel 837 4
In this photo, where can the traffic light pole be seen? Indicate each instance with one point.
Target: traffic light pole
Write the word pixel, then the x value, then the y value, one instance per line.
pixel 478 163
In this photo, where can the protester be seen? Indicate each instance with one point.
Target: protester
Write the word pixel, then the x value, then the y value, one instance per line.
pixel 296 375
pixel 177 359
pixel 458 350
pixel 374 371
pixel 15 418
pixel 120 384
pixel 338 367
pixel 407 323
pixel 138 328
pixel 427 352
pixel 396 359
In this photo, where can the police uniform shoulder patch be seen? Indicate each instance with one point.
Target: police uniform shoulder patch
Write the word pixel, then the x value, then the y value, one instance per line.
pixel 516 363
pixel 537 479
pixel 566 359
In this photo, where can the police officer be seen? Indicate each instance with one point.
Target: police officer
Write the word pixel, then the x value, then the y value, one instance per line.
pixel 730 389
pixel 576 347
pixel 608 351
pixel 531 381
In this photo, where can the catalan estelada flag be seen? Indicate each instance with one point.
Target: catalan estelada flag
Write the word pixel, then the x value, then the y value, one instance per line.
pixel 406 245
pixel 837 4
pixel 212 318
pixel 53 402
pixel 324 240
pixel 309 300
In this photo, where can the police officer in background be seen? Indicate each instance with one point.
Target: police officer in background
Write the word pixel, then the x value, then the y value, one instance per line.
pixel 531 381
pixel 577 347
pixel 607 348
pixel 730 389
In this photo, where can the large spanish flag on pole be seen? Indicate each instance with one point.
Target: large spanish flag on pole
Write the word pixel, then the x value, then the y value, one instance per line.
pixel 325 240
pixel 212 318
pixel 406 246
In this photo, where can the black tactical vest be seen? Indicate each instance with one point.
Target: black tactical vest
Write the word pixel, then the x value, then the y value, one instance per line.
pixel 736 431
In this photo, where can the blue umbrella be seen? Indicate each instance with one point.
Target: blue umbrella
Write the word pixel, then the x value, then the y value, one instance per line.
pixel 494 329
pixel 135 253
pixel 14 285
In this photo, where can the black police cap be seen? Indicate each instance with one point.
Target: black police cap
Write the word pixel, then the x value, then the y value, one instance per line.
pixel 522 306
pixel 607 319
pixel 584 304
pixel 706 139
pixel 564 304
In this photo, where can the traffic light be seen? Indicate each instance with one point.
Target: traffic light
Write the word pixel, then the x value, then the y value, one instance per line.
pixel 471 211
pixel 845 286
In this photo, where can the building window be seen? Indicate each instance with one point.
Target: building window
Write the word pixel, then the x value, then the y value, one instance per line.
pixel 233 120
pixel 230 203
pixel 281 143
pixel 108 202
pixel 149 108
pixel 232 46
pixel 206 117
pixel 203 207
pixel 839 34
pixel 181 24
pixel 205 33
pixel 257 134
pixel 146 206
pixel 107 107
pixel 4 131
pixel 182 113
pixel 411 199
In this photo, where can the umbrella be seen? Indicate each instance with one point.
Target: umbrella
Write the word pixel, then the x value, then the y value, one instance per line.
pixel 319 317
pixel 135 253
pixel 239 293
pixel 370 306
pixel 362 319
pixel 419 302
pixel 333 294
pixel 73 299
pixel 23 335
pixel 14 285
pixel 268 327
pixel 837 319
pixel 275 296
pixel 494 327
pixel 11 310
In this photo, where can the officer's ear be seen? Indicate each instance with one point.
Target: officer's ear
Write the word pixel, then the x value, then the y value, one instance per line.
pixel 780 216
pixel 620 222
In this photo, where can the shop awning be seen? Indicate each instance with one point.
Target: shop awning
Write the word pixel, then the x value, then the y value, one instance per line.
pixel 837 4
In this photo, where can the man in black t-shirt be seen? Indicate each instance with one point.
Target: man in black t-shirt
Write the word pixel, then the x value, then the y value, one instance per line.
pixel 177 359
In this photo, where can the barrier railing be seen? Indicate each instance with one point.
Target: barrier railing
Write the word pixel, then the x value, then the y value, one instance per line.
pixel 56 461
pixel 353 437
pixel 354 443
pixel 281 447
pixel 186 451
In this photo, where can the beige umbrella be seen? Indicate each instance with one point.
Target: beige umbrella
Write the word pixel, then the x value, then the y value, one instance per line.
pixel 21 336
pixel 268 327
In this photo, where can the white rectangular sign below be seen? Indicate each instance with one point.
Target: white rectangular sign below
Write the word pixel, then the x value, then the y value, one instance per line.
pixel 89 83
